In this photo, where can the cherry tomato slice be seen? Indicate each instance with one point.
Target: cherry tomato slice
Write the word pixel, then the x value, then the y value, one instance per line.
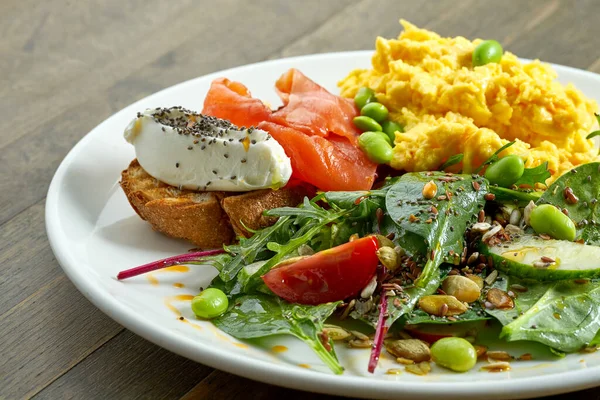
pixel 330 275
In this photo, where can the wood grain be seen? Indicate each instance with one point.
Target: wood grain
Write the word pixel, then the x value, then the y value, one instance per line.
pixel 67 65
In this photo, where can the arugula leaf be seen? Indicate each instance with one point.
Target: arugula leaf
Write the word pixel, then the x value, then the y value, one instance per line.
pixel 584 181
pixel 531 176
pixel 593 135
pixel 519 196
pixel 494 157
pixel 566 317
pixel 455 159
pixel 248 249
pixel 258 315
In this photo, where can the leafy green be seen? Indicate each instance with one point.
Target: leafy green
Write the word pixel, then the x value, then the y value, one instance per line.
pixel 474 313
pixel 444 229
pixel 248 249
pixel 455 159
pixel 523 300
pixel 437 237
pixel 584 181
pixel 494 157
pixel 593 135
pixel 521 197
pixel 531 176
pixel 258 315
pixel 566 317
pixel 563 315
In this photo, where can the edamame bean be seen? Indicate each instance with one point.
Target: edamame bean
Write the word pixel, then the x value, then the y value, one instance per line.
pixel 375 110
pixel 390 128
pixel 366 124
pixel 454 353
pixel 506 171
pixel 210 303
pixel 376 147
pixel 488 51
pixel 385 137
pixel 550 220
pixel 363 97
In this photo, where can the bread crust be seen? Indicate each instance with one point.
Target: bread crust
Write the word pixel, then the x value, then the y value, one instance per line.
pixel 207 219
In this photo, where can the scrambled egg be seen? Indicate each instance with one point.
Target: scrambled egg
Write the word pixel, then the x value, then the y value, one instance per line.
pixel 448 107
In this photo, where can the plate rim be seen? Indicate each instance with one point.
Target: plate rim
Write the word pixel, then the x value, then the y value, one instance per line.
pixel 264 371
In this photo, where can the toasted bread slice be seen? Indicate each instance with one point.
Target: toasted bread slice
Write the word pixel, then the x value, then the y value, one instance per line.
pixel 194 216
pixel 207 219
pixel 247 209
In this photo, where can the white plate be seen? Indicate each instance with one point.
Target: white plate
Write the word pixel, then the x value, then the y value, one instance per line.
pixel 95 234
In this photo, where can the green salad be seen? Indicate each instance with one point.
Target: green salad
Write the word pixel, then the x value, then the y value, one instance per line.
pixel 426 262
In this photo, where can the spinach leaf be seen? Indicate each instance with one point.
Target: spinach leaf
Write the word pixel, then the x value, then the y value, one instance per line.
pixel 531 176
pixel 437 236
pixel 523 301
pixel 455 159
pixel 494 157
pixel 404 303
pixel 562 315
pixel 258 315
pixel 440 221
pixel 565 318
pixel 474 313
pixel 584 181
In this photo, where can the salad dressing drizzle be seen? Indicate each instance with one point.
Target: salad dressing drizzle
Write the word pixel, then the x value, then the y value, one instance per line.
pixel 175 268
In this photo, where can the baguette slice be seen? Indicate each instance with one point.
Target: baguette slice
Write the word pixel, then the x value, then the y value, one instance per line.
pixel 207 219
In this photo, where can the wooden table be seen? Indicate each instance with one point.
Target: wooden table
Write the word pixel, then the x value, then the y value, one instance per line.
pixel 66 65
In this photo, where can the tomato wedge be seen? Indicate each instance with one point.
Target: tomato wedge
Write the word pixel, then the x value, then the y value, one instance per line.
pixel 330 275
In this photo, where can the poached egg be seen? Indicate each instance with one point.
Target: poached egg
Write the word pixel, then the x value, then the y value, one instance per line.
pixel 199 152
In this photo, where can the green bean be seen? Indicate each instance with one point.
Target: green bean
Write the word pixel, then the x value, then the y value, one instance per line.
pixel 366 124
pixel 454 353
pixel 375 110
pixel 390 128
pixel 488 51
pixel 363 97
pixel 210 303
pixel 506 171
pixel 549 220
pixel 376 147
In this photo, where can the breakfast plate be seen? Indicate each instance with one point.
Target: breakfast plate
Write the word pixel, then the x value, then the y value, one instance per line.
pixel 94 234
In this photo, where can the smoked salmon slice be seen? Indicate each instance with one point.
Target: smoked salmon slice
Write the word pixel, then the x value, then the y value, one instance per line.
pixel 310 108
pixel 328 163
pixel 232 101
pixel 314 127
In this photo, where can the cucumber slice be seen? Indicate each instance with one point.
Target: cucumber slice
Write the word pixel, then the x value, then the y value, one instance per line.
pixel 531 257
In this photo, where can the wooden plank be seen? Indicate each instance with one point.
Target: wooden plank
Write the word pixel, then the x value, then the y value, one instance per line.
pixel 128 367
pixel 32 149
pixel 533 29
pixel 26 261
pixel 46 335
pixel 103 45
pixel 221 385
